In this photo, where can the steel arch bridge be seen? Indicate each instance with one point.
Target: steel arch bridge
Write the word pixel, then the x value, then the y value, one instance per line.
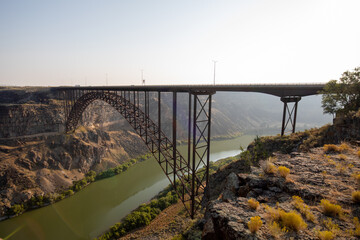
pixel 189 175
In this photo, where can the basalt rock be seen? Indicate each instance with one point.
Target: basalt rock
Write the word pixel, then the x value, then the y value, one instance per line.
pixel 313 176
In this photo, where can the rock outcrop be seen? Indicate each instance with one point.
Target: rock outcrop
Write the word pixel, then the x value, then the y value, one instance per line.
pixel 315 174
pixel 46 164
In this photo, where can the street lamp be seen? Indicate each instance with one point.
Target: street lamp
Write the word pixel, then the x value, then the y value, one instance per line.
pixel 214 69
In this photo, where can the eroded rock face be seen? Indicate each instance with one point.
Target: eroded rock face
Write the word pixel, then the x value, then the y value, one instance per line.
pixel 46 164
pixel 313 176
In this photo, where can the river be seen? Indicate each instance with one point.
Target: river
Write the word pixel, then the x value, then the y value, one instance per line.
pixel 94 209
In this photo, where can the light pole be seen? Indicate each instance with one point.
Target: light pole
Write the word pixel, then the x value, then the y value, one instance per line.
pixel 214 69
pixel 142 77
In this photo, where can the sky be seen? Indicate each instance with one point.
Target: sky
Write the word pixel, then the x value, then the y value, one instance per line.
pixel 93 42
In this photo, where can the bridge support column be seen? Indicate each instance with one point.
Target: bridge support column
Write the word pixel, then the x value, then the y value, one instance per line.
pixel 174 135
pixel 289 116
pixel 201 129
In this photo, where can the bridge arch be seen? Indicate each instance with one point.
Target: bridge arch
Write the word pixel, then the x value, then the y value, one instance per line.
pixel 85 100
pixel 185 178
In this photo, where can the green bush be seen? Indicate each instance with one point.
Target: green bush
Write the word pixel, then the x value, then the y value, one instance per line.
pixel 118 169
pixel 60 197
pixel 17 209
pixel 90 176
pixel 106 174
pixel 68 192
pixel 143 215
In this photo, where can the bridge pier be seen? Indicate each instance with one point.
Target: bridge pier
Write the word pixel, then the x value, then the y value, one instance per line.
pixel 289 116
pixel 201 132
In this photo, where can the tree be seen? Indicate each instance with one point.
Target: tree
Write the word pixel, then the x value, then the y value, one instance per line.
pixel 342 95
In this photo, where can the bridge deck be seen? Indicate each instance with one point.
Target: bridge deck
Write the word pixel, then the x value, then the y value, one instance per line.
pixel 279 90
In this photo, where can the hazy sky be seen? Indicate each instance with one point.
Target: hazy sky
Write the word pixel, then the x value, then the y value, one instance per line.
pixel 70 42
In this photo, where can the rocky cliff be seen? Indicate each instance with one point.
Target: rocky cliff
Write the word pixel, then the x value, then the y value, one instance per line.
pixel 315 197
pixel 46 164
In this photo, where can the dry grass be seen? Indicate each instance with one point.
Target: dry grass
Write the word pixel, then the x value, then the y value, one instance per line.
pixel 330 209
pixel 342 156
pixel 292 220
pixel 253 204
pixel 325 235
pixel 356 231
pixel 268 167
pixel 332 227
pixel 344 147
pixel 275 230
pixel 332 148
pixel 254 224
pixel 303 208
pixel 328 148
pixel 355 196
pixel 357 178
pixel 358 154
pixel 283 171
pixel 288 220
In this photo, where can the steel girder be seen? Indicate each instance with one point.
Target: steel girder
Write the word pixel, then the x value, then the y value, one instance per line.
pixel 188 176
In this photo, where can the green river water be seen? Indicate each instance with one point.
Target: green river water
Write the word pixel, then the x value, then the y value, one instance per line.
pixel 94 209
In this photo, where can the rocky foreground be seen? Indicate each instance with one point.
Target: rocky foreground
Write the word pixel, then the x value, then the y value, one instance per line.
pixel 314 176
pixel 302 186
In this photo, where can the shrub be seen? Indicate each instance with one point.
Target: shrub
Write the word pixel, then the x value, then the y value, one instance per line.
pixel 283 171
pixel 342 156
pixel 273 213
pixel 357 177
pixel 105 174
pixel 356 196
pixel 17 209
pixel 254 224
pixel 356 231
pixel 344 147
pixel 36 201
pixel 60 197
pixel 325 235
pixel 253 203
pixel 258 149
pixel 303 208
pixel 331 148
pixel 290 220
pixel 268 167
pixel 142 215
pixel 330 209
pixel 275 230
pixel 90 176
pixel 332 227
pixel 69 192
pixel 118 169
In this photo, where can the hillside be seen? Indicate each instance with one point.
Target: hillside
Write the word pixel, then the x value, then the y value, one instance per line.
pixel 302 186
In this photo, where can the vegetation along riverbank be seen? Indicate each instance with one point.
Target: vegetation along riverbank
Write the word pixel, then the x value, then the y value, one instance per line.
pixel 38 201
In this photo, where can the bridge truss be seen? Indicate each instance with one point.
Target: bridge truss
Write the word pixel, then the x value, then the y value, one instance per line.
pixel 189 175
